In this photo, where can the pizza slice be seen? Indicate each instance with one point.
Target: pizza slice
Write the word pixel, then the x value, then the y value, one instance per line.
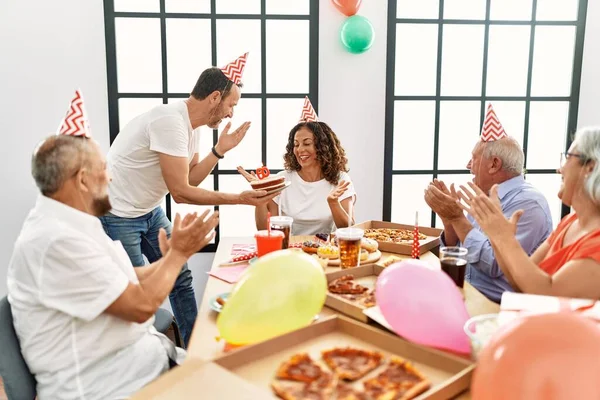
pixel 368 299
pixel 346 285
pixel 350 363
pixel 344 391
pixel 399 381
pixel 321 388
pixel 300 367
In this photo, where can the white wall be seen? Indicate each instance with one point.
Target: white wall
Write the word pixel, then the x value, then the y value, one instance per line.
pixel 589 96
pixel 352 101
pixel 48 48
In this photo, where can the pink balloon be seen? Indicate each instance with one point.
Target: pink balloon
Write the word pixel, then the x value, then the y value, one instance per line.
pixel 423 305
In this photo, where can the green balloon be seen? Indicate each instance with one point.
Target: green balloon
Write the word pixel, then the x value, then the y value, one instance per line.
pixel 357 34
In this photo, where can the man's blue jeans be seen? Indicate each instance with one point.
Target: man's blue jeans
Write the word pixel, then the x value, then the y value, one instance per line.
pixel 139 236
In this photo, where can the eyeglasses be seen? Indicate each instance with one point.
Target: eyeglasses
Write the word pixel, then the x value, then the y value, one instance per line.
pixel 565 156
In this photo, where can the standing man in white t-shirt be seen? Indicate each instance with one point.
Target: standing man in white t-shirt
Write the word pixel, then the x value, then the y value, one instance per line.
pixel 157 153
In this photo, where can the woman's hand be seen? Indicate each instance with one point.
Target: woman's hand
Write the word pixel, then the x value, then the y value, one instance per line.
pixel 487 211
pixel 336 192
pixel 250 176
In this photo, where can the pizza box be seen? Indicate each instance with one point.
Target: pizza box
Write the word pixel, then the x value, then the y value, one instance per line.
pixel 449 375
pixel 196 379
pixel 363 275
pixel 432 241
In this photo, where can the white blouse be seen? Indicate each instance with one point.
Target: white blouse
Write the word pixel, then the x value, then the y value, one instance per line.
pixel 306 202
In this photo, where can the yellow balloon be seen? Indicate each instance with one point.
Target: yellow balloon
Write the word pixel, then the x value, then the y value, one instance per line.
pixel 279 293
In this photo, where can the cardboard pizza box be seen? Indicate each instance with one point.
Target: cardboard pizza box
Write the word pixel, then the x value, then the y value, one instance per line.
pixel 363 275
pixel 432 241
pixel 197 379
pixel 449 375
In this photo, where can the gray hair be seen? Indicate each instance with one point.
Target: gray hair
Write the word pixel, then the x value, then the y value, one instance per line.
pixel 587 143
pixel 509 151
pixel 56 160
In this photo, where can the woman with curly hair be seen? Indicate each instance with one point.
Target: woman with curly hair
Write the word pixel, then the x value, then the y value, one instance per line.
pixel 321 192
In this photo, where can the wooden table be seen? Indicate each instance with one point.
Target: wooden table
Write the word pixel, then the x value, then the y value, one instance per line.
pixel 203 343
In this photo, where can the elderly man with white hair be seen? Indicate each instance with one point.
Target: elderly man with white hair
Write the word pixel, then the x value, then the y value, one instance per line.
pixel 496 159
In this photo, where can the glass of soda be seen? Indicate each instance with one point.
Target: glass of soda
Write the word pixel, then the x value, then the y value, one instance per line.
pixel 349 243
pixel 267 242
pixel 454 263
pixel 283 224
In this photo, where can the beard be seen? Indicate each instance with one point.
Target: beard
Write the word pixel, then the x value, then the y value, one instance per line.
pixel 216 117
pixel 101 206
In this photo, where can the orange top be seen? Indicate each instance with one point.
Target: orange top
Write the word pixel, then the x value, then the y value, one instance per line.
pixel 587 246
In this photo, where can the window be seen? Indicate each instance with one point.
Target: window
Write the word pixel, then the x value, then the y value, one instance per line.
pixel 156 49
pixel 447 59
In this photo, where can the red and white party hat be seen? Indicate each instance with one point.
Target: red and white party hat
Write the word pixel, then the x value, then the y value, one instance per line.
pixel 415 245
pixel 492 128
pixel 75 122
pixel 235 69
pixel 308 112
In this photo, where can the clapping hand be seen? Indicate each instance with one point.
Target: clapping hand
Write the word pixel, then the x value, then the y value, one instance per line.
pixel 337 191
pixel 250 176
pixel 443 201
pixel 487 211
pixel 190 234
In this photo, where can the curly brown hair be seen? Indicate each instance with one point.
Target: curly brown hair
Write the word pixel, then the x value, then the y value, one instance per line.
pixel 330 153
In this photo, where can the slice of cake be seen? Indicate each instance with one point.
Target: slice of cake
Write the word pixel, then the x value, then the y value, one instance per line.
pixel 268 183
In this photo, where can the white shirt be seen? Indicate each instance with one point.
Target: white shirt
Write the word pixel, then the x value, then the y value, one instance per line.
pixel 64 272
pixel 137 185
pixel 306 202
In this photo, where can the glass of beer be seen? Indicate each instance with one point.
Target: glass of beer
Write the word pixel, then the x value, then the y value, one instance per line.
pixel 454 263
pixel 349 243
pixel 268 242
pixel 283 224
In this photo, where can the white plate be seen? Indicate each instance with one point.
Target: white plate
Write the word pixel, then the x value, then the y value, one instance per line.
pixel 279 189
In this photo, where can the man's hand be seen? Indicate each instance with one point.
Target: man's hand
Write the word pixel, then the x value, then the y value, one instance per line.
pixel 336 192
pixel 228 141
pixel 164 243
pixel 443 201
pixel 250 176
pixel 256 197
pixel 191 234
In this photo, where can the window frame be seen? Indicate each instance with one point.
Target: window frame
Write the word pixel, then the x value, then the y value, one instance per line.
pixel 114 95
pixel 391 96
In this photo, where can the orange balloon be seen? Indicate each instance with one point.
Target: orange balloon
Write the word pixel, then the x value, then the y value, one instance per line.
pixel 347 7
pixel 542 357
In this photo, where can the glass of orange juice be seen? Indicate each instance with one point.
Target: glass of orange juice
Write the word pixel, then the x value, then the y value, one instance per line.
pixel 267 242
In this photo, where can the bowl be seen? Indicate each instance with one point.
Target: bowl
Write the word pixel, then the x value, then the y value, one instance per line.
pixel 480 329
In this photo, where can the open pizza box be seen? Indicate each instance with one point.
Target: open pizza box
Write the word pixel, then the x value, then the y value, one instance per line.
pixel 425 245
pixel 363 275
pixel 449 375
pixel 199 379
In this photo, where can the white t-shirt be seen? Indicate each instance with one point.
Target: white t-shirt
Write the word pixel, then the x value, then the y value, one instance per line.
pixel 306 202
pixel 137 185
pixel 64 273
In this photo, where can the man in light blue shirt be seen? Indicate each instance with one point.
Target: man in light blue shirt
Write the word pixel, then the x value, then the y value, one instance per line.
pixel 497 162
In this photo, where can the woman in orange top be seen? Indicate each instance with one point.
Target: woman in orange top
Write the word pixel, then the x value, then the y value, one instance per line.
pixel 568 262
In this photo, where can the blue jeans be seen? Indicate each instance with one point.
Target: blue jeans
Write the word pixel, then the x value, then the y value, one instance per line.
pixel 139 236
